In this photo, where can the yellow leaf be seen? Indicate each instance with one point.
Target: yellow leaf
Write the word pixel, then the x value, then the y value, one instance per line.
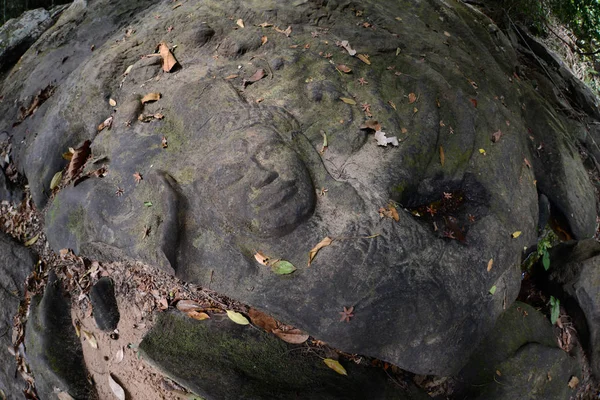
pixel 335 365
pixel 323 243
pixel 150 97
pixel 237 317
pixel 364 58
pixel 516 234
pixel 412 98
pixel 490 263
pixel 442 156
pixel 200 316
pixel 240 23
pixel 90 338
pixel 56 180
pixel 261 258
pixel 112 102
pixel 347 100
pixel 482 151
pixel 573 382
pixel 32 240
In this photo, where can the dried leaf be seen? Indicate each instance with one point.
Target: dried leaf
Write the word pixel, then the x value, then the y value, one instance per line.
pixel 293 336
pixel 80 156
pixel 262 320
pixel 282 267
pixel 364 58
pixel 257 76
pixel 474 101
pixel 335 365
pixel 496 136
pixel 412 98
pixel 573 382
pixel 116 388
pixel 493 290
pixel 516 234
pixel 197 315
pixel 112 102
pixel 106 124
pixel 286 32
pixel 383 140
pixel 442 156
pixel 151 97
pixel 137 177
pixel 187 305
pixel 56 180
pixel 265 25
pixel 228 77
pixel 394 212
pixel 490 263
pixel 347 100
pixel 526 161
pixel 391 103
pixel 261 258
pixel 263 40
pixel 90 338
pixel 323 243
pixel 169 61
pixel 343 68
pixel 32 240
pixel 237 317
pixel 371 124
pixel 346 45
pixel 240 23
pixel 119 356
pixel 447 34
pixel 324 142
pixel 128 70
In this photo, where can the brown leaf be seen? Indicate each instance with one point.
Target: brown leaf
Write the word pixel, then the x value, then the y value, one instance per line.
pixel 263 40
pixel 526 161
pixel 240 23
pixel 257 76
pixel 343 68
pixel 265 25
pixel 371 124
pixel 394 212
pixel 364 58
pixel 573 382
pixel 490 264
pixel 442 156
pixel 228 77
pixel 151 97
pixel 286 32
pixel 261 258
pixel 112 102
pixel 293 336
pixel 168 58
pixel 138 177
pixel 262 320
pixel 80 156
pixel 412 98
pixel 391 103
pixel 474 101
pixel 106 124
pixel 164 143
pixel 323 243
pixel 197 315
pixel 496 136
pixel 188 305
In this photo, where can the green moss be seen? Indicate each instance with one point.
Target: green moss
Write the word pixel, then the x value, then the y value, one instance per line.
pixel 75 223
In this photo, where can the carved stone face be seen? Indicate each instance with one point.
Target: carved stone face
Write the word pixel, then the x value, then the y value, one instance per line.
pixel 258 181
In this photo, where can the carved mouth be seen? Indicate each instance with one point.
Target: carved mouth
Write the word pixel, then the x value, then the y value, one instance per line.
pixel 275 194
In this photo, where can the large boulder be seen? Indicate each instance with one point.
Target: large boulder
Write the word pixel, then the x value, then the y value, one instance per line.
pixel 238 165
pixel 16 262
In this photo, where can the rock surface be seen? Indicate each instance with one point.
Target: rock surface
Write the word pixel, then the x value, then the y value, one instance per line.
pixel 104 304
pixel 519 360
pixel 243 169
pixel 16 262
pixel 53 348
pixel 226 361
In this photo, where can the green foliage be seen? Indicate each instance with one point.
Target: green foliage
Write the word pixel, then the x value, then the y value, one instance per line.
pixel 545 242
pixel 554 309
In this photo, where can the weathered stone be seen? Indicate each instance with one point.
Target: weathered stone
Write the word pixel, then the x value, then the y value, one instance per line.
pixel 519 360
pixel 15 264
pixel 104 304
pixel 53 349
pixel 226 361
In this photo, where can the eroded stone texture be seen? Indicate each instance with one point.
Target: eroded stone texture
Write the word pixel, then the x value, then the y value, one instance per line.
pixel 15 264
pixel 244 171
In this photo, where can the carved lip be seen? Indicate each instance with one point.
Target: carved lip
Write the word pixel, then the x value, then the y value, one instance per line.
pixel 276 194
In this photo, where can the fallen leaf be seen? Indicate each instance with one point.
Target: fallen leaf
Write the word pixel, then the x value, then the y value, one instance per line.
pixel 106 124
pixel 169 61
pixel 265 25
pixel 80 156
pixel 482 152
pixel 293 336
pixel 383 140
pixel 498 372
pixel 262 320
pixel 237 317
pixel 412 98
pixel 112 102
pixel 164 143
pixel 128 70
pixel 282 267
pixel 59 395
pixel 447 34
pixel 442 156
pixel 32 240
pixel 138 177
pixel 240 23
pixel 516 234
pixel 324 142
pixel 573 382
pixel 371 124
pixel 343 68
pixel 526 161
pixel 490 263
pixel 263 40
pixel 90 338
pixel 119 356
pixel 228 77
pixel 496 136
pixel 116 388
pixel 472 82
pixel 474 101
pixel 323 243
pixel 391 103
pixel 187 305
pixel 346 45
pixel 151 97
pixel 148 203
pixel 493 290
pixel 335 365
pixel 56 180
pixel 261 258
pixel 394 212
pixel 197 315
pixel 257 76
pixel 286 32
pixel 347 100
pixel 364 58
pixel 404 130
pixel 176 6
